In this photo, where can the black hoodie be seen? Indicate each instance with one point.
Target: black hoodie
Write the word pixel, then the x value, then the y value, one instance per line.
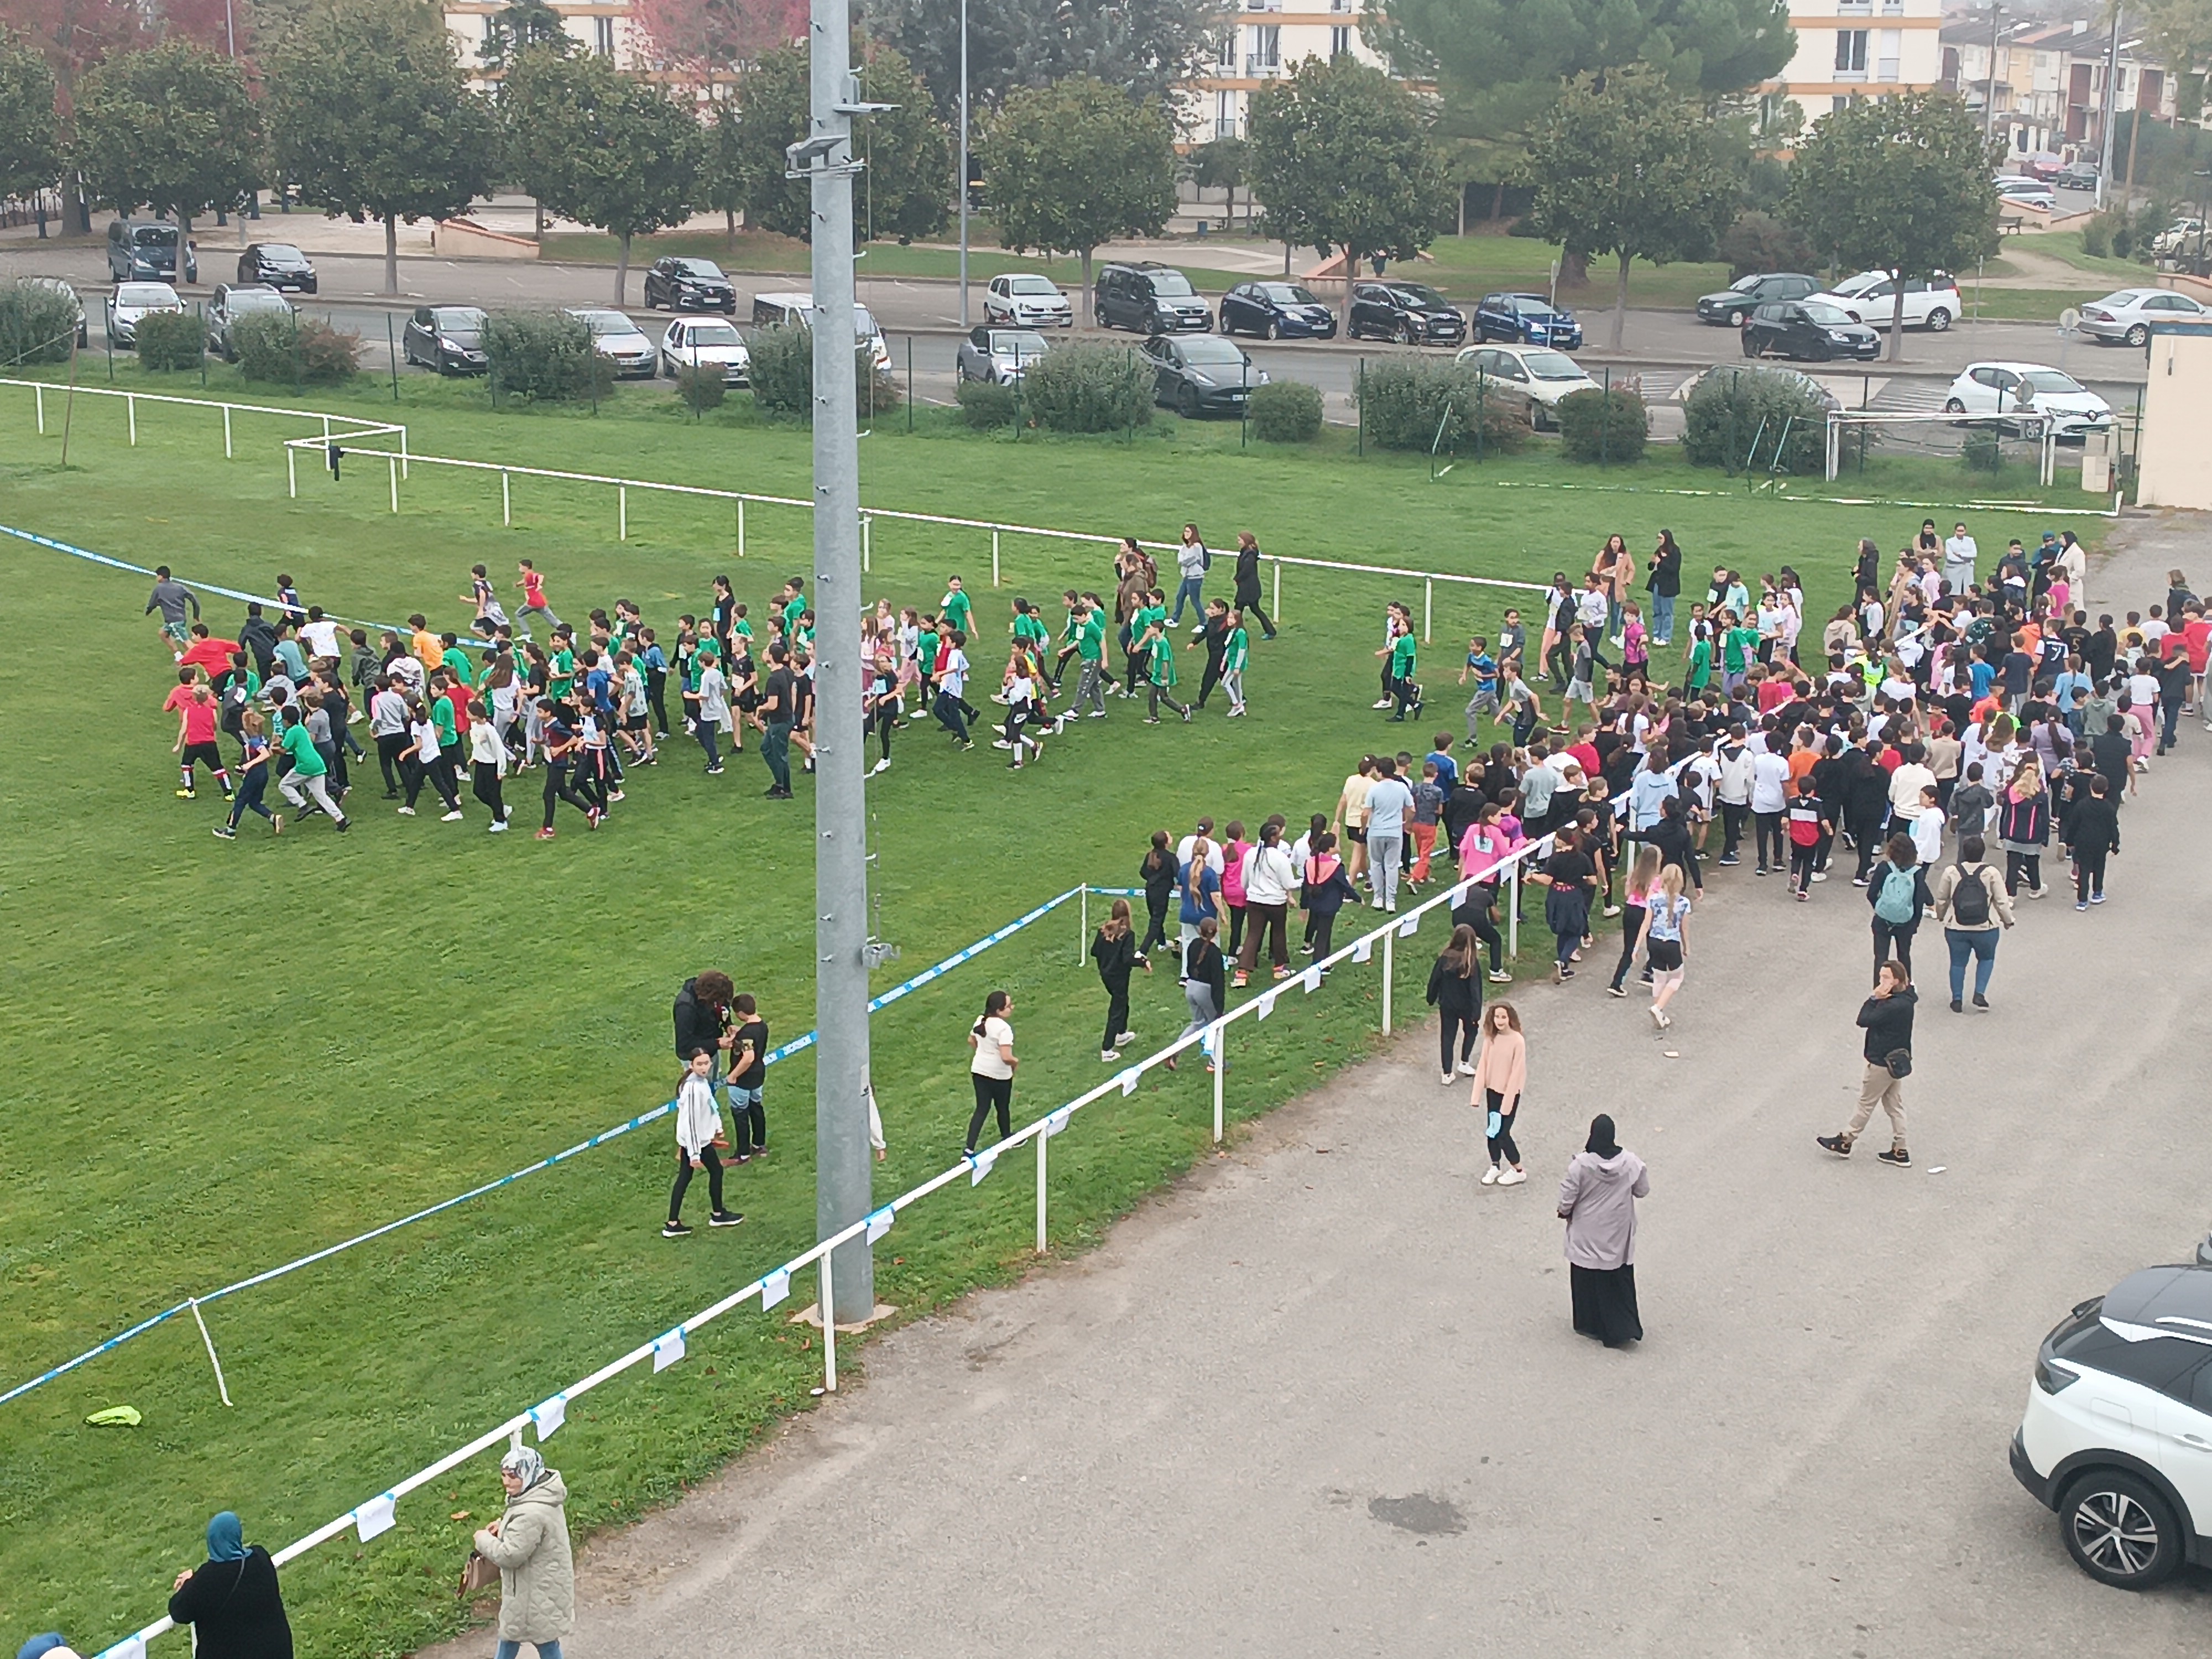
pixel 1888 1022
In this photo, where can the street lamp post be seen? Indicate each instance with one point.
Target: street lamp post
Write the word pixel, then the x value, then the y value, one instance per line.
pixel 963 163
pixel 1990 86
pixel 2111 106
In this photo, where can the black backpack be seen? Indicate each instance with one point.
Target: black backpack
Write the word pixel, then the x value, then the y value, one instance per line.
pixel 1970 899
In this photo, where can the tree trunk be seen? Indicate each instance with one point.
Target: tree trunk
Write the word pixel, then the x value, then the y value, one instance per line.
pixel 1351 275
pixel 1574 268
pixel 1462 207
pixel 622 271
pixel 184 246
pixel 537 218
pixel 1897 321
pixel 1621 302
pixel 1286 258
pixel 391 254
pixel 730 226
pixel 1498 202
pixel 1085 255
pixel 2135 127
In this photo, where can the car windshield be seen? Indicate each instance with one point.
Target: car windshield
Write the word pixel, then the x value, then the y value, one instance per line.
pixel 2050 379
pixel 459 319
pixel 1829 316
pixel 154 236
pixel 1746 284
pixel 1287 294
pixel 1018 342
pixel 258 299
pixel 1210 352
pixel 603 323
pixel 2125 297
pixel 1412 293
pixel 146 294
pixel 1552 365
pixel 1529 305
pixel 1862 282
pixel 705 270
pixel 865 323
pixel 1171 285
pixel 283 253
pixel 1041 285
pixel 713 334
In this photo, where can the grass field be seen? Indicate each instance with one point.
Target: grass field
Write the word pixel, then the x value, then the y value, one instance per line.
pixel 226 1055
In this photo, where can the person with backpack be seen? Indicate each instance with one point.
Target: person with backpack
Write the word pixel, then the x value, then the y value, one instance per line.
pixel 1897 891
pixel 2023 828
pixel 1325 890
pixel 1972 903
pixel 1887 1019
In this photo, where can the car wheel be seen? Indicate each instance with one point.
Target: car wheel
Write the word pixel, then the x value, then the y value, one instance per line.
pixel 2118 1530
pixel 1954 406
pixel 83 337
pixel 1738 319
pixel 1274 330
pixel 2139 335
pixel 1750 345
pixel 1186 402
pixel 1939 320
pixel 1406 335
pixel 1099 316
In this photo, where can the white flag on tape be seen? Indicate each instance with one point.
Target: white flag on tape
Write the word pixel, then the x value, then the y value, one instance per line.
pixel 1129 1081
pixel 1267 1005
pixel 667 1350
pixel 1459 894
pixel 880 1222
pixel 374 1518
pixel 775 1288
pixel 131 1647
pixel 1311 979
pixel 1058 1121
pixel 1407 928
pixel 549 1416
pixel 980 1164
pixel 1363 950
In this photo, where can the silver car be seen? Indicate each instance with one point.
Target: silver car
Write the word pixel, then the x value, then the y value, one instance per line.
pixel 1001 355
pixel 132 301
pixel 2125 317
pixel 232 302
pixel 706 343
pixel 619 340
pixel 1025 300
pixel 1536 376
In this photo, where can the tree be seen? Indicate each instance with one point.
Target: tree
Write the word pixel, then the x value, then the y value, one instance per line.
pixel 30 133
pixel 1144 47
pixel 2180 33
pixel 1221 165
pixel 1341 155
pixel 705 41
pixel 1902 185
pixel 370 115
pixel 905 189
pixel 601 147
pixel 1076 163
pixel 521 26
pixel 1626 165
pixel 173 127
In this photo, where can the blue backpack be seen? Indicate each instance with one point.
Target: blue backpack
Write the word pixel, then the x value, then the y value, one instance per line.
pixel 1894 902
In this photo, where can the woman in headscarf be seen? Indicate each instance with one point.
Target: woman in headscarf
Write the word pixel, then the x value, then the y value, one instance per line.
pixel 231 1602
pixel 529 1545
pixel 1597 1200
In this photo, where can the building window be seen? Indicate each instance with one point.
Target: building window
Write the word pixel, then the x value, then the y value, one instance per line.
pixel 603 36
pixel 1850 52
pixel 1267 47
pixel 1227 57
pixel 1339 41
pixel 1225 113
pixel 1889 48
pixel 1839 103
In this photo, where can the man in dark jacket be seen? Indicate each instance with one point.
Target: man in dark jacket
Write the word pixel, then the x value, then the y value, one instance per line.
pixel 703 1016
pixel 2112 749
pixel 2092 834
pixel 1887 1019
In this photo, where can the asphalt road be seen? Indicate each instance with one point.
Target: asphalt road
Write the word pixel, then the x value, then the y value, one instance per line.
pixel 1322 1399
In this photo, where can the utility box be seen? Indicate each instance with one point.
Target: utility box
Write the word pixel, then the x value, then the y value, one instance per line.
pixel 2170 469
pixel 2097 474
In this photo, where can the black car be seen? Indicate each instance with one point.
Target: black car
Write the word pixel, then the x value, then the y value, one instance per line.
pixel 275 264
pixel 2074 178
pixel 1405 311
pixel 449 339
pixel 1276 311
pixel 1808 329
pixel 1149 299
pixel 1206 375
pixel 1733 306
pixel 232 301
pixel 688 285
pixel 145 251
pixel 1526 319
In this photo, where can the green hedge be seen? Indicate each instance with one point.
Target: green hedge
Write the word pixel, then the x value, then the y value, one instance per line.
pixel 544 356
pixel 1089 386
pixel 1421 403
pixel 1286 412
pixel 281 348
pixel 1732 408
pixel 1982 450
pixel 38 325
pixel 783 373
pixel 986 406
pixel 172 340
pixel 701 388
pixel 1603 426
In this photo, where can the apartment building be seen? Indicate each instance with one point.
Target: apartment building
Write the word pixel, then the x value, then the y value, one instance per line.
pixel 1853 49
pixel 1267 38
pixel 2043 85
pixel 598 25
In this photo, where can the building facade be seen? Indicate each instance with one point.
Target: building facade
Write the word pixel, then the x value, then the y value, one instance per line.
pixel 1266 39
pixel 2042 86
pixel 602 27
pixel 1853 49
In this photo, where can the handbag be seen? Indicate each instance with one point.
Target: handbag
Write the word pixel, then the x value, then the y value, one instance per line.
pixel 1899 1062
pixel 477 1575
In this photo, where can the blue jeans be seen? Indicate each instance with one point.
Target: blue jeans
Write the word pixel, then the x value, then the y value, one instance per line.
pixel 512 1649
pixel 1189 588
pixel 1980 943
pixel 1662 619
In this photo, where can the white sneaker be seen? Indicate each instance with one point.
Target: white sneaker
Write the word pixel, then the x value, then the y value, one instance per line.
pixel 1489 1177
pixel 453 816
pixel 406 811
pixel 1447 1079
pixel 1819 875
pixel 1108 1056
pixel 1512 1177
pixel 1379 702
pixel 498 826
pixel 1500 977
pixel 880 765
pixel 1125 1036
pixel 1659 1017
pixel 1100 714
pixel 1466 1068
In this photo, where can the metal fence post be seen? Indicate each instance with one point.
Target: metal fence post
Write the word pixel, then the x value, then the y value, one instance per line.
pixel 1390 939
pixel 994 558
pixel 741 526
pixel 1220 1069
pixel 867 543
pixel 39 394
pixel 292 471
pixel 392 463
pixel 1360 396
pixel 1279 594
pixel 1083 926
pixel 621 513
pixel 130 408
pixel 1513 911
pixel 1428 607
pixel 1043 1135
pixel 828 1327
pixel 226 432
pixel 506 501
pixel 1605 423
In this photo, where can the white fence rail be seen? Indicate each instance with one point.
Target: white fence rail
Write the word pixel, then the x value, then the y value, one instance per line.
pixel 352 424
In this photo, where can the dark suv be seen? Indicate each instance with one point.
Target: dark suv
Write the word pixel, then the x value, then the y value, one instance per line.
pixel 1405 311
pixel 688 285
pixel 1149 299
pixel 145 251
pixel 275 264
pixel 1810 329
pixel 1733 306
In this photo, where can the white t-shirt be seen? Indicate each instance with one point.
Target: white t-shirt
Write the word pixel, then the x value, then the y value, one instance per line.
pixel 321 637
pixel 991 1047
pixel 1212 857
pixel 1928 837
pixel 1770 783
pixel 954 680
pixel 425 735
pixel 2142 690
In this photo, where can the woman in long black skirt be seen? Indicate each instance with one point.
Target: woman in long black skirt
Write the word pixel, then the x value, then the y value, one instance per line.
pixel 1597 1200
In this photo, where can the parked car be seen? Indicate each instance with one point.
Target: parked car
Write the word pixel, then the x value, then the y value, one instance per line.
pixel 1535 377
pixel 1207 375
pixel 2029 390
pixel 1148 297
pixel 1733 306
pixel 688 285
pixel 617 339
pixel 1930 302
pixel 1527 319
pixel 1276 311
pixel 1025 300
pixel 2077 177
pixel 1810 330
pixel 54 284
pixel 2126 317
pixel 145 249
pixel 132 301
pixel 1408 313
pixel 706 343
pixel 1000 355
pixel 2181 236
pixel 449 339
pixel 2026 193
pixel 2117 1437
pixel 232 301
pixel 792 310
pixel 1804 383
pixel 2044 164
pixel 275 264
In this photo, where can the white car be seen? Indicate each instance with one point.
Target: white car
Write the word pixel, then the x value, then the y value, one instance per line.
pixel 1930 302
pixel 2029 390
pixel 998 356
pixel 1025 300
pixel 132 301
pixel 2117 1433
pixel 2125 317
pixel 791 310
pixel 2028 192
pixel 1535 375
pixel 705 342
pixel 617 339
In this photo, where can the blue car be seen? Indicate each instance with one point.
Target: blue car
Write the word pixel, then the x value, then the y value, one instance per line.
pixel 1526 319
pixel 1276 311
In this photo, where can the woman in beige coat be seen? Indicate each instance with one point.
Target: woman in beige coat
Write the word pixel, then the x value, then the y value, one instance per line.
pixel 529 1545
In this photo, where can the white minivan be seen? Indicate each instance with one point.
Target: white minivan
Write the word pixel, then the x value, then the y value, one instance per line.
pixel 792 310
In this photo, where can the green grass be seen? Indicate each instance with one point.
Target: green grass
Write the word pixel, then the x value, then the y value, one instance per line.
pixel 2065 245
pixel 223 1056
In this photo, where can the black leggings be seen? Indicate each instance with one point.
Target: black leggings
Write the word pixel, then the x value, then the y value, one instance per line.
pixel 2020 863
pixel 684 1180
pixel 1254 613
pixel 1631 930
pixel 1156 930
pixel 1887 933
pixel 440 773
pixel 484 785
pixel 991 1092
pixel 1801 862
pixel 557 788
pixel 388 756
pixel 2088 876
pixel 1474 912
pixel 1866 835
pixel 1502 1148
pixel 1464 1024
pixel 1768 827
pixel 1324 934
pixel 1117 1021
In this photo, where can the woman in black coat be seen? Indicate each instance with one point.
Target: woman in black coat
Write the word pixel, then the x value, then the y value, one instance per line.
pixel 1114 951
pixel 1248 582
pixel 231 1602
pixel 1456 993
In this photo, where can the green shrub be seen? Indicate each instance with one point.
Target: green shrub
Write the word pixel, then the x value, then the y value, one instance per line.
pixel 1731 409
pixel 281 348
pixel 1600 426
pixel 701 388
pixel 1760 241
pixel 38 325
pixel 1089 386
pixel 1286 412
pixel 172 340
pixel 782 373
pixel 986 405
pixel 544 356
pixel 1984 450
pixel 1425 403
pixel 2097 236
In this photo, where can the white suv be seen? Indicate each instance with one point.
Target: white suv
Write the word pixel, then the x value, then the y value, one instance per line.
pixel 1930 302
pixel 2117 1435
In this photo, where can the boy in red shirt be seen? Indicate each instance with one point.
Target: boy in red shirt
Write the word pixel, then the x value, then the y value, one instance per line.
pixel 193 704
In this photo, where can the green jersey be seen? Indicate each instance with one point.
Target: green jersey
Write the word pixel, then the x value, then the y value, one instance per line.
pixel 1164 668
pixel 793 609
pixel 561 675
pixel 307 760
pixel 1145 618
pixel 1090 639
pixel 1401 658
pixel 456 662
pixel 1234 652
pixel 1027 629
pixel 1069 630
pixel 441 716
pixel 956 609
pixel 1736 649
pixel 1701 665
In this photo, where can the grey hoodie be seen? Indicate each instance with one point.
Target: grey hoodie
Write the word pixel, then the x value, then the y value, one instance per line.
pixel 1598 1199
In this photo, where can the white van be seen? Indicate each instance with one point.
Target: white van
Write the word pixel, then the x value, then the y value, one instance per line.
pixel 792 310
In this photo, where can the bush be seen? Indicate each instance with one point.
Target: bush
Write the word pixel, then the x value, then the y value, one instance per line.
pixel 1732 407
pixel 544 356
pixel 1406 402
pixel 783 373
pixel 2112 234
pixel 284 348
pixel 1089 386
pixel 1601 426
pixel 986 405
pixel 1286 412
pixel 1760 241
pixel 38 325
pixel 1984 450
pixel 701 388
pixel 172 340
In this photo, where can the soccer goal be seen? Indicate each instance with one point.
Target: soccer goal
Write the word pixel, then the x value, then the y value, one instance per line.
pixel 1929 432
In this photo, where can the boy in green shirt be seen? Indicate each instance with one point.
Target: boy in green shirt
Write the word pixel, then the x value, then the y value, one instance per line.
pixel 561 668
pixel 955 607
pixel 456 660
pixel 1737 648
pixel 308 779
pixel 1701 664
pixel 794 602
pixel 1161 655
pixel 1091 648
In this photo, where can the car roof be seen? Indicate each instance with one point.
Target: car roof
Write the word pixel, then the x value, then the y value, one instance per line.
pixel 2151 1295
pixel 2016 367
pixel 804 301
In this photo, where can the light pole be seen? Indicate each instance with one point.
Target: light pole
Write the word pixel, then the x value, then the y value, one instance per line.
pixel 963 163
pixel 2105 115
